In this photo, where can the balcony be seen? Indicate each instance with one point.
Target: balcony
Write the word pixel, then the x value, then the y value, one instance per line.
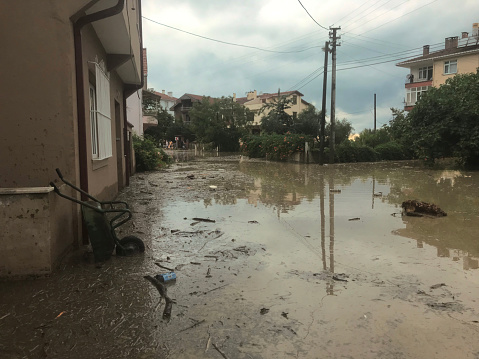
pixel 418 83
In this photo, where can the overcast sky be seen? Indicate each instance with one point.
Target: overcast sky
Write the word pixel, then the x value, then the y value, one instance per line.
pixel 372 32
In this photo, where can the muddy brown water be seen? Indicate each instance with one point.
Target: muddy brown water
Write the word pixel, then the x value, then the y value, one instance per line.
pixel 301 261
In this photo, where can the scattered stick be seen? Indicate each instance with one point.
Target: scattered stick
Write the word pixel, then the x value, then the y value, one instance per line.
pixel 204 220
pixel 162 290
pixel 192 326
pixel 159 265
pixel 215 289
pixel 219 351
pixel 208 343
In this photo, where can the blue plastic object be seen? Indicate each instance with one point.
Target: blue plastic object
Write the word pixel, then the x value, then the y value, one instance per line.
pixel 166 277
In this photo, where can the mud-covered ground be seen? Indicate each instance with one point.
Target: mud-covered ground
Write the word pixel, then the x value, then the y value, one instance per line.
pixel 265 277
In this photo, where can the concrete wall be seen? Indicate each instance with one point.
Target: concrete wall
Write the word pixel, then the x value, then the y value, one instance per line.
pixel 465 65
pixel 134 112
pixel 39 133
pixel 32 220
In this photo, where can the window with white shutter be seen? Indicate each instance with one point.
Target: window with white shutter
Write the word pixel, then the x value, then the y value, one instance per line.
pixel 100 115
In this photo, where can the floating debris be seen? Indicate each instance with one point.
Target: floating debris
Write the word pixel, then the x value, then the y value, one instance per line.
pixel 416 208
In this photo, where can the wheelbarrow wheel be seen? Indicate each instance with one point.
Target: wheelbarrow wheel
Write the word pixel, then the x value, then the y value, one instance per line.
pixel 131 245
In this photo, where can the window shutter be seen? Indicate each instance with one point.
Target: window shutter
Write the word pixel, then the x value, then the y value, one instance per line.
pixel 103 113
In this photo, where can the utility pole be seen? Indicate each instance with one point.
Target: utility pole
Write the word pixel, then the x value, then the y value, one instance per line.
pixel 323 109
pixel 333 36
pixel 374 113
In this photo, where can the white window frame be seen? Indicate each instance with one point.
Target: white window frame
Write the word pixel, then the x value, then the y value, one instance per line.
pixel 413 94
pixel 100 116
pixel 423 73
pixel 450 67
pixel 93 122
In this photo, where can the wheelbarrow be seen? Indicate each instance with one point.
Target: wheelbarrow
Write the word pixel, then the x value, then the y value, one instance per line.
pixel 101 220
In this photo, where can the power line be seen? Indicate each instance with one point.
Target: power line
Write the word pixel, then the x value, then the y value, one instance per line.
pixel 305 79
pixel 229 43
pixel 353 11
pixel 354 17
pixel 395 54
pixel 307 12
pixel 314 78
pixel 391 9
pixel 377 27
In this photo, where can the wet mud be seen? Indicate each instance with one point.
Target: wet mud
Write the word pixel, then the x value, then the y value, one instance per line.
pixel 273 260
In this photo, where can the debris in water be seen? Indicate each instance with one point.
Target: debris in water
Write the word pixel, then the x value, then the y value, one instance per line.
pixel 354 219
pixel 439 285
pixel 159 265
pixel 416 208
pixel 191 176
pixel 253 222
pixel 197 322
pixel 165 277
pixel 59 315
pixel 340 277
pixel 284 314
pixel 263 311
pixel 163 292
pixel 219 351
pixel 204 220
pixel 335 191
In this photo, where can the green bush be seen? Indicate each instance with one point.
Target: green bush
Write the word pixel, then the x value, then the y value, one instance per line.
pixel 273 147
pixel 348 151
pixel 391 151
pixel 148 157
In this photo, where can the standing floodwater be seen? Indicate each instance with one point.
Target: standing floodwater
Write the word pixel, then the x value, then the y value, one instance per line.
pixel 272 260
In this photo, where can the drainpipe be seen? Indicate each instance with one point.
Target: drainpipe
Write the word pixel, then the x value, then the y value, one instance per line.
pixel 78 24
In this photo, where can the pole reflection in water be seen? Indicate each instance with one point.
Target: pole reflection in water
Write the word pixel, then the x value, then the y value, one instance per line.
pixel 330 285
pixel 323 221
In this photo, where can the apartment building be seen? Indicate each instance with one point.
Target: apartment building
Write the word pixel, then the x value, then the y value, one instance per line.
pixel 460 55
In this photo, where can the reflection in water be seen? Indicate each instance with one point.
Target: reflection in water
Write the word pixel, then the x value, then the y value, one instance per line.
pixel 286 186
pixel 330 285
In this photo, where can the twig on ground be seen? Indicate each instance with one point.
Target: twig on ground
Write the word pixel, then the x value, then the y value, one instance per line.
pixel 192 326
pixel 159 265
pixel 219 351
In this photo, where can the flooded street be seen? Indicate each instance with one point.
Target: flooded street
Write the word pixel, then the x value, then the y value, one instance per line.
pixel 273 260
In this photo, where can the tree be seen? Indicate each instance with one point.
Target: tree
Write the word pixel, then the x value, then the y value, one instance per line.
pixel 371 138
pixel 276 120
pixel 445 120
pixel 308 122
pixel 221 122
pixel 344 128
pixel 159 132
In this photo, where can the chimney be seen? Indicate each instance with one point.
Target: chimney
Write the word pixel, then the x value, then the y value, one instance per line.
pixel 234 97
pixel 465 35
pixel 475 29
pixel 251 95
pixel 451 42
pixel 425 50
pixel 170 93
pixel 163 92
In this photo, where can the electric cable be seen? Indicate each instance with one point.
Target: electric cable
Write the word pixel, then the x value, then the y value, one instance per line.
pixel 307 12
pixel 227 42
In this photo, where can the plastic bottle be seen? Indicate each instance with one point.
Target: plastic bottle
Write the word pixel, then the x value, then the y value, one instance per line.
pixel 166 277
